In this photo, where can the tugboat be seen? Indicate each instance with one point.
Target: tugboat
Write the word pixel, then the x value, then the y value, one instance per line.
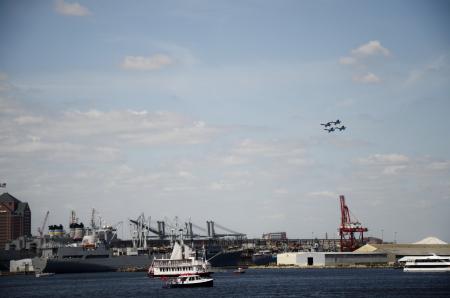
pixel 189 281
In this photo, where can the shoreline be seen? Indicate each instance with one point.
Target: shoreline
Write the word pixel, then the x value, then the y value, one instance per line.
pixel 386 266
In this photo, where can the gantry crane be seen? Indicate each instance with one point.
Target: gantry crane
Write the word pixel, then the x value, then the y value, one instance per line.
pixel 349 228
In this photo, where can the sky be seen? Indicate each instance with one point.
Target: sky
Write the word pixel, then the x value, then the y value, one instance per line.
pixel 211 110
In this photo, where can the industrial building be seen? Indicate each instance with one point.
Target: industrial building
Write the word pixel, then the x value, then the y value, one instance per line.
pixel 15 219
pixel 274 236
pixel 24 265
pixel 331 259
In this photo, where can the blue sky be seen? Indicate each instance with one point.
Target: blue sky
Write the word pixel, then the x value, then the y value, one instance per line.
pixel 211 110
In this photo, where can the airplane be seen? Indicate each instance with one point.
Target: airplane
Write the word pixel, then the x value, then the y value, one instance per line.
pixel 341 128
pixel 329 129
pixel 327 124
pixel 336 122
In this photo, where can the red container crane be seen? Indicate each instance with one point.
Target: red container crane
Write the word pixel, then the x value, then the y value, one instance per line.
pixel 348 229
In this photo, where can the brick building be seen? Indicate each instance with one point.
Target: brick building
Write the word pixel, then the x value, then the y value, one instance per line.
pixel 15 219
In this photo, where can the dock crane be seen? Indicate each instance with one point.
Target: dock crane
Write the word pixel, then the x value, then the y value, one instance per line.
pixel 349 228
pixel 41 229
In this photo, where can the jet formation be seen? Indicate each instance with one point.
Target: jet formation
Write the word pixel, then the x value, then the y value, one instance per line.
pixel 335 126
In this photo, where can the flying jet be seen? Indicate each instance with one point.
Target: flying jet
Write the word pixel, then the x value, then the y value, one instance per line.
pixel 326 124
pixel 341 128
pixel 336 122
pixel 329 129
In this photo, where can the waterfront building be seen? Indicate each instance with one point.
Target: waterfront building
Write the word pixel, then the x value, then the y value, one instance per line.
pixel 331 259
pixel 15 219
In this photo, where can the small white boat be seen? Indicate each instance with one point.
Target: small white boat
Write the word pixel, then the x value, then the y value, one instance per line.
pixel 189 281
pixel 44 274
pixel 240 270
pixel 433 263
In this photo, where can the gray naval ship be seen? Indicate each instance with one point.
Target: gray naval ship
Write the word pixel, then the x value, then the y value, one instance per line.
pixel 85 250
pixel 88 259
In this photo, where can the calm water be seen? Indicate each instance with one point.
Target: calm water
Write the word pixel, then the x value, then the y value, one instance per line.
pixel 254 283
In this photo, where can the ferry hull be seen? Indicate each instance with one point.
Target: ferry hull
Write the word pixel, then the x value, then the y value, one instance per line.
pixel 207 284
pixel 425 270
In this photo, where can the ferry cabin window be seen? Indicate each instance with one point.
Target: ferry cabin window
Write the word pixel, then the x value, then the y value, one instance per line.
pixel 428 261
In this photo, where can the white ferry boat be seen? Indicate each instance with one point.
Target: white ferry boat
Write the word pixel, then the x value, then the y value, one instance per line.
pixel 432 263
pixel 182 261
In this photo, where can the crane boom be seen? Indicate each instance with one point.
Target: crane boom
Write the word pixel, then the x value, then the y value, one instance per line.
pixel 41 229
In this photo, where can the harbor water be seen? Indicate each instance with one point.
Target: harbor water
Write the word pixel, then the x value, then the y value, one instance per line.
pixel 254 283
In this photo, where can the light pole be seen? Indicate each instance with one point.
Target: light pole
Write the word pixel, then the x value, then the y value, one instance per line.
pixel 395 237
pixel 382 231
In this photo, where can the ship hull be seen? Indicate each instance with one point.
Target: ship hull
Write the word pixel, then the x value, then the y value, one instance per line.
pixel 48 265
pixel 225 259
pixel 263 259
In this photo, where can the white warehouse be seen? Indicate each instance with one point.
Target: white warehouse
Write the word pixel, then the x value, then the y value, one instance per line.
pixel 323 259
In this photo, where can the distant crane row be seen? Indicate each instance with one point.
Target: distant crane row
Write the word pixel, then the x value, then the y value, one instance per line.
pixel 160 231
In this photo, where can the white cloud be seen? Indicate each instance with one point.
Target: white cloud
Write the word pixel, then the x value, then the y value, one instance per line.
pixel 347 102
pixel 27 119
pixel 387 164
pixel 436 66
pixel 414 76
pixel 71 9
pixel 323 194
pixel 439 165
pixel 371 48
pixel 368 78
pixel 154 62
pixel 143 128
pixel 393 170
pixel 273 148
pixel 73 134
pixel 347 60
pixel 4 84
pixel 359 56
pixel 233 160
pixel 281 191
pixel 383 159
pixel 280 152
pixel 221 186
